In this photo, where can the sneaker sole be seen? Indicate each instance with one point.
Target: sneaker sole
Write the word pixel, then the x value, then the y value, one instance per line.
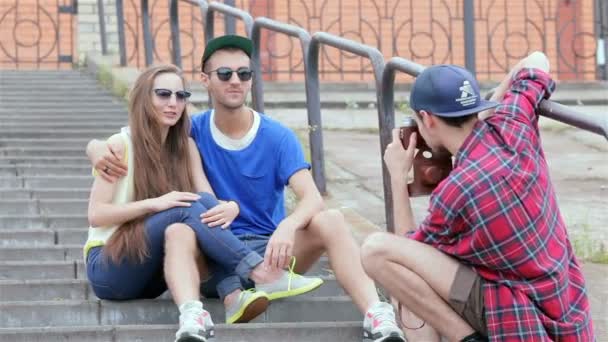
pixel 191 338
pixel 251 310
pixel 295 292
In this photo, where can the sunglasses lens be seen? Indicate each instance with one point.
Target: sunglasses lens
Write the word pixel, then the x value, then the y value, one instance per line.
pixel 244 74
pixel 224 74
pixel 182 94
pixel 163 93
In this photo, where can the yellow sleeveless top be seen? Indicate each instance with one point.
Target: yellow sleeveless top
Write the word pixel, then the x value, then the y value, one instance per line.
pixel 98 236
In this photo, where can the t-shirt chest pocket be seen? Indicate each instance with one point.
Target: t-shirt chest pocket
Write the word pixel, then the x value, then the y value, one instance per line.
pixel 258 176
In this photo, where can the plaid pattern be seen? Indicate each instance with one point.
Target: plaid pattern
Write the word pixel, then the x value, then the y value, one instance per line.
pixel 497 212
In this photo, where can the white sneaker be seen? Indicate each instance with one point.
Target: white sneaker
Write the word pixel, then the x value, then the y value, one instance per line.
pixel 380 325
pixel 289 284
pixel 195 324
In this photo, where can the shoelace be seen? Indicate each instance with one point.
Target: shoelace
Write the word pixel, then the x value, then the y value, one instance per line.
pixel 251 290
pixel 291 272
pixel 384 316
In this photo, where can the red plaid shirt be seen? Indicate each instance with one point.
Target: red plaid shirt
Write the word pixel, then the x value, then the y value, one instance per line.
pixel 497 212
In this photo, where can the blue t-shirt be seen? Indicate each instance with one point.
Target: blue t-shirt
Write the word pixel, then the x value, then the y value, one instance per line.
pixel 255 176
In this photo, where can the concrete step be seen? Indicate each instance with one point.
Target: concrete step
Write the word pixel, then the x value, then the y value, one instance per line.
pixel 44 206
pixel 38 160
pixel 67 106
pixel 36 87
pixel 59 117
pixel 43 221
pixel 252 332
pixel 27 237
pixel 44 170
pixel 40 269
pixel 163 311
pixel 19 206
pixel 31 270
pixel 31 182
pixel 63 126
pixel 58 193
pixel 48 253
pixel 43 142
pixel 45 289
pixel 74 236
pixel 79 289
pixel 81 112
pixel 59 133
pixel 13 151
pixel 42 237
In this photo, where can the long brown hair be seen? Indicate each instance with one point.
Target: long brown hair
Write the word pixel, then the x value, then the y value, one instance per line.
pixel 158 167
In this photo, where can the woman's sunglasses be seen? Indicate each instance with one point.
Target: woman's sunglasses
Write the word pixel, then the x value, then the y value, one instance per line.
pixel 165 94
pixel 225 73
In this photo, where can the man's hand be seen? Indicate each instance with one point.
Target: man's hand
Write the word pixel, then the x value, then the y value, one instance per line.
pixel 107 160
pixel 280 246
pixel 222 214
pixel 397 159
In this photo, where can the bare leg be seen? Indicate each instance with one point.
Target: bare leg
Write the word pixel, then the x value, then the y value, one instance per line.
pixel 182 263
pixel 329 232
pixel 419 277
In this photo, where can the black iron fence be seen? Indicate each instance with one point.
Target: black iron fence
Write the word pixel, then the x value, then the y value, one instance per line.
pixel 37 35
pixel 485 35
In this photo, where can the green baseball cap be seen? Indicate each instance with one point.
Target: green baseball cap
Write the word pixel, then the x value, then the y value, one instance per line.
pixel 227 41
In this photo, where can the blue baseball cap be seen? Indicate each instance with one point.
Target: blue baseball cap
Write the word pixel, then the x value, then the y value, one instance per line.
pixel 448 91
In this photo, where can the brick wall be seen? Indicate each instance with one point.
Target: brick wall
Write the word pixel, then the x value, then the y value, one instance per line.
pixel 428 32
pixel 89 28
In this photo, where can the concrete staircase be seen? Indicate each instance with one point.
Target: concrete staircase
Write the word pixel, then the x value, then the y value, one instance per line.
pixel 46 118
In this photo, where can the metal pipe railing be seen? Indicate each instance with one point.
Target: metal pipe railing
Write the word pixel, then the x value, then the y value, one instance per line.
pixel 315 135
pixel 227 11
pixel 312 73
pixel 120 23
pixel 102 27
pixel 147 33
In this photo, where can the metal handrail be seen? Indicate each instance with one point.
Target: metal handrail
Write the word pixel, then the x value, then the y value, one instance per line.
pixel 102 27
pixel 147 32
pixel 226 11
pixel 120 23
pixel 315 134
pixel 313 97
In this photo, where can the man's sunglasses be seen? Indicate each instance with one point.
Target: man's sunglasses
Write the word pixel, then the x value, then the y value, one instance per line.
pixel 225 73
pixel 165 94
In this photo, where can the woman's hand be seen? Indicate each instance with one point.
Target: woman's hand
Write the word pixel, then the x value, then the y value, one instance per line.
pixel 221 215
pixel 170 200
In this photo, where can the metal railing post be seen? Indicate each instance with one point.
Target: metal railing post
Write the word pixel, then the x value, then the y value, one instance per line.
pixel 312 72
pixel 147 32
pixel 120 22
pixel 469 36
pixel 315 132
pixel 102 27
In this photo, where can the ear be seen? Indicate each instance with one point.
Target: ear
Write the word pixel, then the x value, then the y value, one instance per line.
pixel 205 79
pixel 427 119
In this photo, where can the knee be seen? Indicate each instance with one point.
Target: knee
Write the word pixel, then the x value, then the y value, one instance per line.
pixel 207 200
pixel 373 251
pixel 329 223
pixel 179 232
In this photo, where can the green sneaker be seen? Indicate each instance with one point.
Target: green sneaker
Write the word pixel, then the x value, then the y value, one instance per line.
pixel 290 284
pixel 251 304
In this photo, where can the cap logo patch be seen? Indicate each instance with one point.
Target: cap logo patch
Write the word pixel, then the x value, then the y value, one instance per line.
pixel 467 94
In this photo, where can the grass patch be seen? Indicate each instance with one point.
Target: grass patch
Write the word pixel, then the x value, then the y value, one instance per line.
pixel 586 248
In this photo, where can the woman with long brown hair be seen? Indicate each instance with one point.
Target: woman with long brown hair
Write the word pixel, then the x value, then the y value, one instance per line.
pixel 150 230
